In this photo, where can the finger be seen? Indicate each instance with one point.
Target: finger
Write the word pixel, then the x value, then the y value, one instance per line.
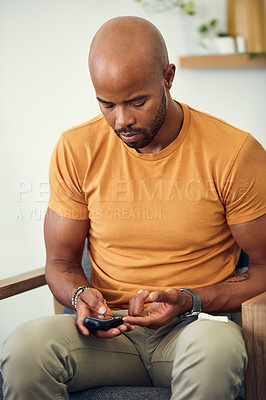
pixel 136 303
pixel 147 323
pixel 130 327
pixel 141 321
pixel 84 310
pixel 80 323
pixel 85 331
pixel 113 332
pixel 153 321
pixel 167 296
pixel 126 328
pixel 95 300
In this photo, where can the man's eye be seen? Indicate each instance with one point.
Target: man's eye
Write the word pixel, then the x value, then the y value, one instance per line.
pixel 108 106
pixel 139 104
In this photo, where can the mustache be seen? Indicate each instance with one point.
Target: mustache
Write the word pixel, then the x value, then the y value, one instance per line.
pixel 128 129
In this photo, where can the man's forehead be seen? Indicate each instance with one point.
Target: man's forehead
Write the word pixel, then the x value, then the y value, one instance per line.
pixel 118 90
pixel 113 59
pixel 120 73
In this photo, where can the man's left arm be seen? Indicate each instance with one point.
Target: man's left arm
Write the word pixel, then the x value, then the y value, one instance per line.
pixel 226 296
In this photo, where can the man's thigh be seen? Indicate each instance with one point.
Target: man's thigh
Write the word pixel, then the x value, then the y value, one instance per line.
pixel 201 344
pixel 106 362
pixel 56 345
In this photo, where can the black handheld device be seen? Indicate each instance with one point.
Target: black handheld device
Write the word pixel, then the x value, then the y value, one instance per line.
pixel 102 322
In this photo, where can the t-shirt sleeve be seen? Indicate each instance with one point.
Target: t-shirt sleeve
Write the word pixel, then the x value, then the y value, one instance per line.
pixel 66 196
pixel 244 194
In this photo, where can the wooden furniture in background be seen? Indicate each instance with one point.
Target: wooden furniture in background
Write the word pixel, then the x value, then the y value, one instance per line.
pixel 254 332
pixel 223 60
pixel 248 19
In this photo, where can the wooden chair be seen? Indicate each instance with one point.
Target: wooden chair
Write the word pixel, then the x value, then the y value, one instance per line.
pixel 254 331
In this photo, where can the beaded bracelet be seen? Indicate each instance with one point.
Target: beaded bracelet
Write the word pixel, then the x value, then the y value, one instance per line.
pixel 77 294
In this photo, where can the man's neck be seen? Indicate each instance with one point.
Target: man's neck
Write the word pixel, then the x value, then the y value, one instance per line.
pixel 169 131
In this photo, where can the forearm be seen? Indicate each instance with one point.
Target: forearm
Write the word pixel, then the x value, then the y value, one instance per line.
pixel 227 296
pixel 63 279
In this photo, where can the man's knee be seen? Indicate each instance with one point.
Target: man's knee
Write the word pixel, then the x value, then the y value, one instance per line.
pixel 33 338
pixel 210 358
pixel 32 351
pixel 219 341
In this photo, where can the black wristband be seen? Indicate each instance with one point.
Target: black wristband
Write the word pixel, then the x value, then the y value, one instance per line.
pixel 196 306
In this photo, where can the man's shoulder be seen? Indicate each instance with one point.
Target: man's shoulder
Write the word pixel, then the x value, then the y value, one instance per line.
pixel 216 135
pixel 217 127
pixel 86 129
pixel 219 144
pixel 90 139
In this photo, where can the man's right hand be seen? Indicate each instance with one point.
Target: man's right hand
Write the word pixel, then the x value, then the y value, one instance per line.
pixel 92 302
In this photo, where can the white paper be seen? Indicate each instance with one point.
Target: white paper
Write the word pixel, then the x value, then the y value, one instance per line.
pixel 207 317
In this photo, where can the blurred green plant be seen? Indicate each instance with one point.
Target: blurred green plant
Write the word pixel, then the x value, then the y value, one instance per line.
pixel 189 7
pixel 254 55
pixel 163 5
pixel 208 27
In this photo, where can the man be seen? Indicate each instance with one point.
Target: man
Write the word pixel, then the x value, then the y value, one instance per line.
pixel 167 196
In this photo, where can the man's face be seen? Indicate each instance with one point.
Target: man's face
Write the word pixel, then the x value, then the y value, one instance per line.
pixel 133 106
pixel 138 138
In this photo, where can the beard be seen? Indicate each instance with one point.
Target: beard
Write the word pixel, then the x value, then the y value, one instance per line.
pixel 149 133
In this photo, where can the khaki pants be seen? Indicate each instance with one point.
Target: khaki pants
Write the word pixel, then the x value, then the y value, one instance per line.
pixel 49 357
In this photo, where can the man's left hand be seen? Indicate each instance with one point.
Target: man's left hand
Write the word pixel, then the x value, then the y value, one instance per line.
pixel 165 306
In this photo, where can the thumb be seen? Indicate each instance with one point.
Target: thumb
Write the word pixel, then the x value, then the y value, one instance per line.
pixel 98 306
pixel 168 296
pixel 102 307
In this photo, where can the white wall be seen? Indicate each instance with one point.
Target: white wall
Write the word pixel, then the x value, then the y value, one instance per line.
pixel 45 89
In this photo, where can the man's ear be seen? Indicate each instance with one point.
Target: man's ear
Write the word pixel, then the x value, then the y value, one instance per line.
pixel 169 75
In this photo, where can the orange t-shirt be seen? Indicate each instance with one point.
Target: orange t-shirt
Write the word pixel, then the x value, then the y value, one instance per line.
pixel 159 220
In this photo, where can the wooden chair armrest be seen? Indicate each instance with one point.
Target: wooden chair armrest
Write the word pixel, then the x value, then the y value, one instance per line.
pixel 254 332
pixel 22 283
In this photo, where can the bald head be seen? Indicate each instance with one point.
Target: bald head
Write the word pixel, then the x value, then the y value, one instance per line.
pixel 128 42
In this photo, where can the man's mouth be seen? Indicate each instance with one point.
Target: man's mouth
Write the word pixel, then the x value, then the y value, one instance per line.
pixel 130 137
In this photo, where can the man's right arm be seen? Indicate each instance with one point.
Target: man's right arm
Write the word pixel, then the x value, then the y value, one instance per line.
pixel 64 240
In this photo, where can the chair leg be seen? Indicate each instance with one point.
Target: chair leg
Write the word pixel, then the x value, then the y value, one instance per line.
pixel 254 332
pixel 58 308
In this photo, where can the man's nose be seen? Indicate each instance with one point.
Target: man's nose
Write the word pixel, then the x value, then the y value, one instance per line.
pixel 124 117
